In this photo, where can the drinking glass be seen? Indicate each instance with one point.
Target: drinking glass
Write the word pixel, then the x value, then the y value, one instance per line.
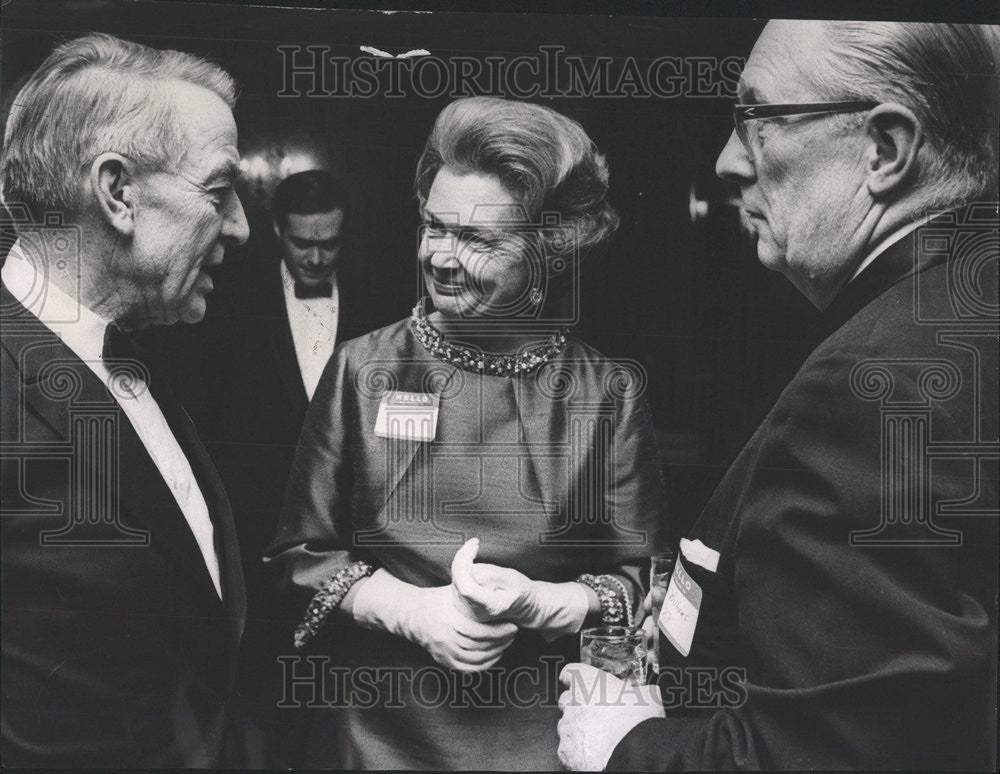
pixel 620 650
pixel 660 568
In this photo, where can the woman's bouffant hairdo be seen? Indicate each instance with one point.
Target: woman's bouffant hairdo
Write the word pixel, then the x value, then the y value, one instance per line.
pixel 544 159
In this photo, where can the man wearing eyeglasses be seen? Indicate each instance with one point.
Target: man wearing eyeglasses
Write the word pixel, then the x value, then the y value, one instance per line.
pixel 835 604
pixel 123 595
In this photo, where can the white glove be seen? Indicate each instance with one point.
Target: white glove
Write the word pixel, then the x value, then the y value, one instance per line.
pixel 430 618
pixel 491 593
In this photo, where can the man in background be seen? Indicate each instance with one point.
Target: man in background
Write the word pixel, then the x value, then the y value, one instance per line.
pixel 123 595
pixel 834 607
pixel 309 212
pixel 247 374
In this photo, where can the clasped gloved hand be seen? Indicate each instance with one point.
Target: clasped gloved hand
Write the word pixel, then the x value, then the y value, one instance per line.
pixel 432 618
pixel 490 593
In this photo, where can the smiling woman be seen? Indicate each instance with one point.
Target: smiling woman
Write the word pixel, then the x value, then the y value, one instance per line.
pixel 482 417
pixel 510 190
pixel 470 268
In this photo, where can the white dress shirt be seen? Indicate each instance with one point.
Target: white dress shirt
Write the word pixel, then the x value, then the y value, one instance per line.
pixel 314 329
pixel 83 332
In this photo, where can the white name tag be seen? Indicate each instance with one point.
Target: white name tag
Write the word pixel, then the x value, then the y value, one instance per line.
pixel 408 416
pixel 679 614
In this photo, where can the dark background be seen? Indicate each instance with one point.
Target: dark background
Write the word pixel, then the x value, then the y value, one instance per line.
pixel 718 334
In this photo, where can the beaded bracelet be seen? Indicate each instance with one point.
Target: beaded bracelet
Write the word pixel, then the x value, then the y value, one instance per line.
pixel 625 598
pixel 327 598
pixel 615 607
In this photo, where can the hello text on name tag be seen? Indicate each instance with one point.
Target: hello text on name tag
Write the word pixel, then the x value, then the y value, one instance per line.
pixel 407 416
pixel 679 614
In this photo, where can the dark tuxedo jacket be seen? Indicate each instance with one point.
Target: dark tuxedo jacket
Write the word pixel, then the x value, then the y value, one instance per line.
pixel 117 651
pixel 856 587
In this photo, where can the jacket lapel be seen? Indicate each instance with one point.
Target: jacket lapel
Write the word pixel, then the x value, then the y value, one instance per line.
pixel 279 338
pixel 348 325
pixel 44 363
pixel 226 543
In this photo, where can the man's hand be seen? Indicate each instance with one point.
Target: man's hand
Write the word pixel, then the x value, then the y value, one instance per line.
pixel 490 593
pixel 431 618
pixel 598 710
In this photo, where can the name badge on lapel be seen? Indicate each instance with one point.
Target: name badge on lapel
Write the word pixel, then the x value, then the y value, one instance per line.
pixel 679 614
pixel 407 416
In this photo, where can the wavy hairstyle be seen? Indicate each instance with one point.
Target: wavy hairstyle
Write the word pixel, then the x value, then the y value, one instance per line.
pixel 94 94
pixel 544 159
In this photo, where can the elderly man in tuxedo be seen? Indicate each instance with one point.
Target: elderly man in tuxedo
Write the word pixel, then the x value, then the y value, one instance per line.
pixel 835 604
pixel 123 596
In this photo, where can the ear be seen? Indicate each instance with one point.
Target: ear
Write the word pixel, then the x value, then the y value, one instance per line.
pixel 896 136
pixel 277 228
pixel 115 194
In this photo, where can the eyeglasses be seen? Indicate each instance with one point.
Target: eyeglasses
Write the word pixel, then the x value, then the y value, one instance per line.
pixel 772 110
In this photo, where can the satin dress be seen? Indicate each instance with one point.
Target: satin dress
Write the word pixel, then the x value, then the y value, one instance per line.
pixel 555 472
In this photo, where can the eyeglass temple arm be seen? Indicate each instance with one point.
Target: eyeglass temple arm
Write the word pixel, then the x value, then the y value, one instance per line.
pixel 773 110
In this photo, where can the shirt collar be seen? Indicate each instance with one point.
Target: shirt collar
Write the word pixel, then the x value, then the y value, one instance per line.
pixel 889 242
pixel 80 329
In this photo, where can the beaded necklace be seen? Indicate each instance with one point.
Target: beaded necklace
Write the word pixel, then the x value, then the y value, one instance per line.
pixel 477 361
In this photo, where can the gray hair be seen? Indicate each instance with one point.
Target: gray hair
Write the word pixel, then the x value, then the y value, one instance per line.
pixel 546 160
pixel 947 74
pixel 92 95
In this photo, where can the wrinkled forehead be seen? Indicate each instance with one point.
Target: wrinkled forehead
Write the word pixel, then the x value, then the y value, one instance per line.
pixel 472 199
pixel 785 63
pixel 208 125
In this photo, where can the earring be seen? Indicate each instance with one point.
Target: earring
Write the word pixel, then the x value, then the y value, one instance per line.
pixel 535 296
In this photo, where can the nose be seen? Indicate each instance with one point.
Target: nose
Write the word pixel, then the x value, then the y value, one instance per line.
pixel 235 229
pixel 733 164
pixel 444 259
pixel 439 250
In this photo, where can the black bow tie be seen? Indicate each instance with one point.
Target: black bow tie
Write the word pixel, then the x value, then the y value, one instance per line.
pixel 322 290
pixel 121 349
pixel 118 345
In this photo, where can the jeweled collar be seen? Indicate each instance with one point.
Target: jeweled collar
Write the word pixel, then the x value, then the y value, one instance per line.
pixel 475 360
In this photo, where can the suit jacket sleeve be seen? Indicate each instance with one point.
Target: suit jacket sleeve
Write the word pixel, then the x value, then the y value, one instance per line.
pixel 856 657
